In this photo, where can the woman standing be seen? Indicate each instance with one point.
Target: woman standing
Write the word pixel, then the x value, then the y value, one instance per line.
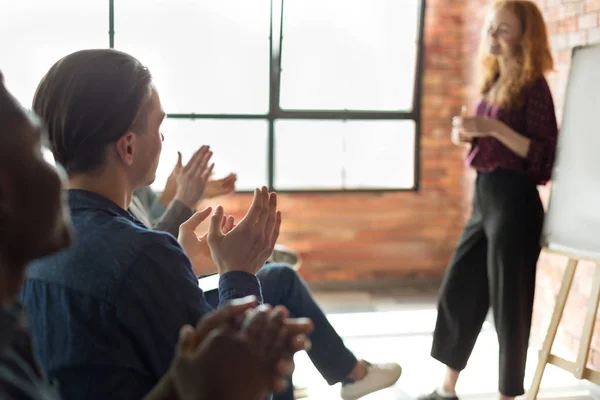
pixel 513 142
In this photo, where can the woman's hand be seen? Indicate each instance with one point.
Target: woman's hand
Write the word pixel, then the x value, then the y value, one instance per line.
pixel 465 129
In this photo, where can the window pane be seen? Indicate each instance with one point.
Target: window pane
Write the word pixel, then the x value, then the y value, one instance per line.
pixel 206 56
pixel 239 146
pixel 37 33
pixel 349 54
pixel 344 154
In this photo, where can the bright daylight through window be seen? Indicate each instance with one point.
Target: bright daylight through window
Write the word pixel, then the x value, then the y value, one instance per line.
pixel 300 95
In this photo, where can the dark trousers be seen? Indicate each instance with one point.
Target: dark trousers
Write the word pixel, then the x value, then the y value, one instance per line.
pixel 281 285
pixel 494 264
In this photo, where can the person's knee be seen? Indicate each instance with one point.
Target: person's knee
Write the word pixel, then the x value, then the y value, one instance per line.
pixel 279 283
pixel 282 272
pixel 285 271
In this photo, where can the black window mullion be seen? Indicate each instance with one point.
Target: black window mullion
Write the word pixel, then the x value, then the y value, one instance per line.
pixel 276 112
pixel 417 93
pixel 111 24
pixel 274 86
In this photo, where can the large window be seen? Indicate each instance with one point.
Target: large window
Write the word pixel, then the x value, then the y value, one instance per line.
pixel 301 95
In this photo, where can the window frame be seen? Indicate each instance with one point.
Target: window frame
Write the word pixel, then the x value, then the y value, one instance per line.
pixel 275 112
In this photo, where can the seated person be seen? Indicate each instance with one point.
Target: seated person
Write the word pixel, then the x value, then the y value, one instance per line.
pixel 31 195
pixel 279 282
pixel 108 311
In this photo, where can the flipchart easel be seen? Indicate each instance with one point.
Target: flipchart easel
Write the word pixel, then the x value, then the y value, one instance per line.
pixel 578 367
pixel 572 224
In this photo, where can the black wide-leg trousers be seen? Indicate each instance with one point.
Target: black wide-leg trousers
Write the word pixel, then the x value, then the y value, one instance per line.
pixel 494 264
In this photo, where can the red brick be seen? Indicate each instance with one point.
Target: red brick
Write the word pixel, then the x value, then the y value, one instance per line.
pixel 578 38
pixel 586 21
pixel 563 56
pixel 552 14
pixel 567 25
pixel 560 41
pixel 339 236
pixel 575 8
pixel 592 5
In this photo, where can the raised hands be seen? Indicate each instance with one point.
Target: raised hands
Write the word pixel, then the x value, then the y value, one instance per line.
pixel 196 247
pixel 192 183
pixel 237 353
pixel 248 244
pixel 220 187
pixel 192 177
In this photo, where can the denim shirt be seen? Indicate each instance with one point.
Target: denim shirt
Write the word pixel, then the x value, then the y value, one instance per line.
pixel 106 313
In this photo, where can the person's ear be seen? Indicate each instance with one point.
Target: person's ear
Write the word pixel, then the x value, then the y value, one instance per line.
pixel 126 148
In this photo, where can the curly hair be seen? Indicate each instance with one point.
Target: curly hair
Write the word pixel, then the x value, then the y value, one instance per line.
pixel 534 58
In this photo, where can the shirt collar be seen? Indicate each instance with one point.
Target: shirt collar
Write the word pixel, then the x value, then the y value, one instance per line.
pixel 82 199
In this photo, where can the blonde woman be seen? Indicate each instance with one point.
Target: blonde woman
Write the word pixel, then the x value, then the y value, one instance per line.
pixel 512 143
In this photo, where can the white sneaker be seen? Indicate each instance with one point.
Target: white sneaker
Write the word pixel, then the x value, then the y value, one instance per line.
pixel 379 376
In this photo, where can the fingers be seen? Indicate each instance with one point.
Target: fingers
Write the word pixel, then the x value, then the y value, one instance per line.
pixel 271 218
pixel 214 231
pixel 283 371
pixel 229 224
pixel 264 198
pixel 279 337
pixel 199 170
pixel 267 219
pixel 297 326
pixel 274 327
pixel 195 220
pixel 276 230
pixel 198 157
pixel 179 164
pixel 299 343
pixel 261 219
pixel 255 322
pixel 255 209
pixel 456 122
pixel 223 316
pixel 285 367
pixel 186 339
pixel 207 173
pixel 230 178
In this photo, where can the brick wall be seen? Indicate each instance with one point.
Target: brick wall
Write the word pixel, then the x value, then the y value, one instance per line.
pixel 570 23
pixel 368 236
pixel 349 237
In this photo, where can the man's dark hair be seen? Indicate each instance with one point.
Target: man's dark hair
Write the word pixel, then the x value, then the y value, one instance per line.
pixel 88 100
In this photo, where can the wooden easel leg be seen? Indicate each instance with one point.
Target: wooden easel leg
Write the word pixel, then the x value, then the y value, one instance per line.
pixel 561 300
pixel 588 327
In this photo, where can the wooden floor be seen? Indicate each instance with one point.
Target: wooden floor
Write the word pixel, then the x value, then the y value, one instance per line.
pixel 396 325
